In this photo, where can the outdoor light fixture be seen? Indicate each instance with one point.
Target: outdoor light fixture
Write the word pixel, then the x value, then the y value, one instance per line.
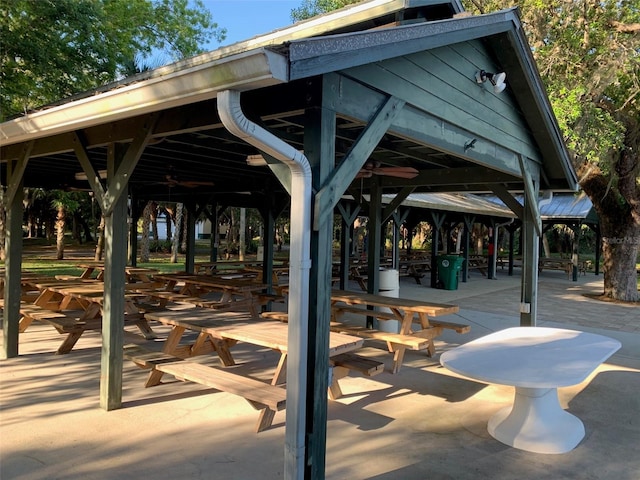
pixel 256 161
pixel 496 79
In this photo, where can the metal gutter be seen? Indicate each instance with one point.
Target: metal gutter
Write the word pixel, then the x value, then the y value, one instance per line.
pixel 239 125
pixel 249 70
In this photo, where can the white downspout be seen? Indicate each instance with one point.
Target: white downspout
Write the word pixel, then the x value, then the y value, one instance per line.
pixel 235 121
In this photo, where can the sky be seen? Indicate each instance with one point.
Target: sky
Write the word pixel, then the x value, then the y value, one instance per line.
pixel 244 19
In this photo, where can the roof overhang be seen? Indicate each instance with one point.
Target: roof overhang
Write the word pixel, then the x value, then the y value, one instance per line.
pixel 177 86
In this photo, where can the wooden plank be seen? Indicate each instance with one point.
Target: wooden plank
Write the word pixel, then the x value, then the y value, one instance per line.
pixel 261 396
pixel 391 78
pixel 352 361
pixel 410 341
pixel 355 298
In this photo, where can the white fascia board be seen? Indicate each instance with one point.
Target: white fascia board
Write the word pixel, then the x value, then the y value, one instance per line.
pixel 246 71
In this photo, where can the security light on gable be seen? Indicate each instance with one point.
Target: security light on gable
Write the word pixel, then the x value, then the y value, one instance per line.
pixel 496 79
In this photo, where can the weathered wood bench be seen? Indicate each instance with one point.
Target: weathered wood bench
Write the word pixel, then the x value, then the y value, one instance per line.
pixel 413 342
pixel 345 363
pixel 268 399
pixel 64 322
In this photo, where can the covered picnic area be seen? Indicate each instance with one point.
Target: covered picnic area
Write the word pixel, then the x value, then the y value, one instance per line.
pixel 290 121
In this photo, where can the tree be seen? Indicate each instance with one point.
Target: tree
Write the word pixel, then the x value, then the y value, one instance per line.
pixel 311 8
pixel 65 203
pixel 175 241
pixel 53 49
pixel 588 54
pixel 144 238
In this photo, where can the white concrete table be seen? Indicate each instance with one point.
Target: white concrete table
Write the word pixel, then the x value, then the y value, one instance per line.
pixel 536 361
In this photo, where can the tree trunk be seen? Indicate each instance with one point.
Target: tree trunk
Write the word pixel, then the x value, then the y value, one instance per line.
pixel 183 230
pixel 620 250
pixel 242 234
pixel 3 225
pixel 153 218
pixel 144 238
pixel 176 234
pixel 545 245
pixel 85 228
pixel 170 216
pixel 100 243
pixel 60 223
pixel 620 229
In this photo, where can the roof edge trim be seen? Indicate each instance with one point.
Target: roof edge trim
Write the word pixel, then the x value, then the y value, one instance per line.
pixel 245 71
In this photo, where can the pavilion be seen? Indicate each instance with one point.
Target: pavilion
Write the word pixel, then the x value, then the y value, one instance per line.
pixel 294 119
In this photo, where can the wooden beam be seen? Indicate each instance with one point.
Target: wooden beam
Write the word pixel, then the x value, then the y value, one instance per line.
pixel 509 200
pixel 396 202
pixel 341 177
pixel 118 186
pixel 453 176
pixel 531 195
pixel 81 150
pixel 15 171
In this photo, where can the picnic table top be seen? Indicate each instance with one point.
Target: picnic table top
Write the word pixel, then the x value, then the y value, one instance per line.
pixel 239 284
pixel 406 304
pixel 245 327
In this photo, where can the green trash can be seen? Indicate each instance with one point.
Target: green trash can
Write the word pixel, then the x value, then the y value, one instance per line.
pixel 448 268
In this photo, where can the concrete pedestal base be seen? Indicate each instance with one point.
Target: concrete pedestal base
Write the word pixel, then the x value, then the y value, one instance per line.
pixel 537 423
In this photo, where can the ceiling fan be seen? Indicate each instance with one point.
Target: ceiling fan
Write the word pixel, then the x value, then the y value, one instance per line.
pixel 172 180
pixel 375 168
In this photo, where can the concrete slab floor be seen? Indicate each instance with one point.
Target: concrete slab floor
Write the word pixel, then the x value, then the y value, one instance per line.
pixel 422 423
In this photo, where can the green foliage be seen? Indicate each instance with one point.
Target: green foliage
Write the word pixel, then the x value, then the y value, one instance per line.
pixel 160 246
pixel 51 49
pixel 69 201
pixel 590 66
pixel 311 8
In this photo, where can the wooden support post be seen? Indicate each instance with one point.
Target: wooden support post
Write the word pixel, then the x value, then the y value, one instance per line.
pixel 115 234
pixel 13 266
pixel 436 225
pixel 319 147
pixel 466 244
pixel 374 241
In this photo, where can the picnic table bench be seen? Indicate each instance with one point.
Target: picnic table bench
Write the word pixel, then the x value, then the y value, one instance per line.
pixel 66 323
pixel 562 264
pixel 266 398
pixel 218 331
pixel 405 311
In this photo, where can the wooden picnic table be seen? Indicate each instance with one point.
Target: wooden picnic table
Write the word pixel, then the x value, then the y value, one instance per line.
pixel 415 269
pixel 88 296
pixel 134 274
pixel 221 330
pixel 406 312
pixel 231 289
pixel 218 331
pixel 563 264
pixel 215 268
pixel 277 272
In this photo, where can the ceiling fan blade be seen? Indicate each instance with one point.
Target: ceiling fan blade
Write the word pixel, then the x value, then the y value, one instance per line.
pixel 195 183
pixel 400 172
